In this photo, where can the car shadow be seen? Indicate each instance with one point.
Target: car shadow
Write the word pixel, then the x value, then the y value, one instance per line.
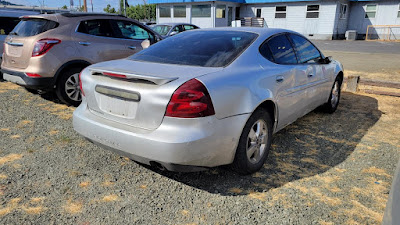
pixel 310 146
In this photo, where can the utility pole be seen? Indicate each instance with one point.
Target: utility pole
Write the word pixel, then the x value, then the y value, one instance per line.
pixel 125 7
pixel 84 6
pixel 91 2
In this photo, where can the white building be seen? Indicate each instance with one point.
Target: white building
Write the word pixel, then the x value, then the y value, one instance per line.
pixel 317 19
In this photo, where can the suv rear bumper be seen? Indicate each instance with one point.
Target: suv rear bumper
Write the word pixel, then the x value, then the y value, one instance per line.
pixel 22 79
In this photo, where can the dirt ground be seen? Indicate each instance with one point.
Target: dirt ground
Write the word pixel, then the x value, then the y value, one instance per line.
pixel 323 169
pixel 368 59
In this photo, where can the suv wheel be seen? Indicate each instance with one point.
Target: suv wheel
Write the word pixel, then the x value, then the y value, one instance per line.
pixel 67 88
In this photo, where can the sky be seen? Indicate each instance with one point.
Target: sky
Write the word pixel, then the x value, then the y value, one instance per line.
pixel 98 5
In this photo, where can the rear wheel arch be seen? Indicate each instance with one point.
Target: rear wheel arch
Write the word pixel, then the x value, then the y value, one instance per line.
pixel 272 109
pixel 69 65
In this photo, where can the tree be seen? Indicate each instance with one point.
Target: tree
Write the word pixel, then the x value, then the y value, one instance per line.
pixel 64 7
pixel 141 12
pixel 108 9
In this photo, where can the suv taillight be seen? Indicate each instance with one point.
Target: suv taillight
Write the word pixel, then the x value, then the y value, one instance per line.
pixel 190 100
pixel 44 45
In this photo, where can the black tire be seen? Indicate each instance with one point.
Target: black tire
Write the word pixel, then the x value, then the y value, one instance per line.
pixel 242 163
pixel 63 93
pixel 331 105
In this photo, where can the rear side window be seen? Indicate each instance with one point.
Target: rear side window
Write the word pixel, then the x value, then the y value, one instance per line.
pixel 200 48
pixel 7 24
pixel 189 27
pixel 281 50
pixel 305 50
pixel 96 28
pixel 129 30
pixel 31 27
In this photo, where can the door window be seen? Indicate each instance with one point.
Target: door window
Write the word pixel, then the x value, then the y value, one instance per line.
pixel 370 11
pixel 306 51
pixel 258 13
pixel 129 30
pixel 220 11
pixel 96 28
pixel 281 50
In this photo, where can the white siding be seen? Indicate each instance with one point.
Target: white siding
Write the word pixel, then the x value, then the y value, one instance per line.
pixel 199 21
pixel 386 14
pixel 319 28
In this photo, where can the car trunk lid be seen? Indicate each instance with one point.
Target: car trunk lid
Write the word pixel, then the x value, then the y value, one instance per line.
pixel 135 93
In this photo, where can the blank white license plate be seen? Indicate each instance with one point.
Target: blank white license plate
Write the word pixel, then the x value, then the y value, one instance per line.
pixel 118 107
pixel 15 51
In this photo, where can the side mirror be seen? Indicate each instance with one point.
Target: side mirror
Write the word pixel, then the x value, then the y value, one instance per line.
pixel 326 60
pixel 145 44
pixel 173 33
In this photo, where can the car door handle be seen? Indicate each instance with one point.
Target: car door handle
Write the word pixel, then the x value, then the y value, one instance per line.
pixel 310 75
pixel 84 43
pixel 132 47
pixel 279 79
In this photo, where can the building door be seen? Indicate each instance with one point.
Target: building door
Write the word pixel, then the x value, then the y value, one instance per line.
pixel 230 16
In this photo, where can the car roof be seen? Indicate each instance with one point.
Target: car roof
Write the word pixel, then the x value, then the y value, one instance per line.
pixel 71 14
pixel 16 13
pixel 174 24
pixel 261 31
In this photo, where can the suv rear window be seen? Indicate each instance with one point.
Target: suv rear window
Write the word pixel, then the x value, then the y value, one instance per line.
pixel 31 27
pixel 200 48
pixel 7 24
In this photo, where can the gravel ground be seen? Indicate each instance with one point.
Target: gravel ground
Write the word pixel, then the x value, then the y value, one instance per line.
pixel 323 169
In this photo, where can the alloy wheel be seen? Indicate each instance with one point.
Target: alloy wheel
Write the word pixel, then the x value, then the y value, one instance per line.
pixel 257 141
pixel 72 87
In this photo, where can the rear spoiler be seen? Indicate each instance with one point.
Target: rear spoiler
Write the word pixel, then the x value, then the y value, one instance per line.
pixel 132 76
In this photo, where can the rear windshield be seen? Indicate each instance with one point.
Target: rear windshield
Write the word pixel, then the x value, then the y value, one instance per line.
pixel 198 48
pixel 161 29
pixel 32 27
pixel 7 24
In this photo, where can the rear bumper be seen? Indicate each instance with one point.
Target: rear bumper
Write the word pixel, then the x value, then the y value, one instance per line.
pixel 177 144
pixel 22 79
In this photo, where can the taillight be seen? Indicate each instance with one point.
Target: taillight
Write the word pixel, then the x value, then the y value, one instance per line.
pixel 44 45
pixel 190 100
pixel 80 83
pixel 33 75
pixel 114 75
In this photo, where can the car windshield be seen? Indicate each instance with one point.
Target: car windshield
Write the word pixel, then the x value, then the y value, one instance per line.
pixel 161 29
pixel 198 48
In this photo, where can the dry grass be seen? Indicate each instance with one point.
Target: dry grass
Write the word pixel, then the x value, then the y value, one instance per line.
pixel 110 198
pixel 84 184
pixel 10 158
pixel 73 207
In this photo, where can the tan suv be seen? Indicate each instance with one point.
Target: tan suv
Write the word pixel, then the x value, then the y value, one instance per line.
pixel 47 52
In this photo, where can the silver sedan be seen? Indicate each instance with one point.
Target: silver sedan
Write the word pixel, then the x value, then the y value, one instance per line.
pixel 207 97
